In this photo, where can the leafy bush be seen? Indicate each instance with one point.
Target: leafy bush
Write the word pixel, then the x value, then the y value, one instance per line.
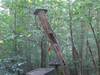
pixel 13 66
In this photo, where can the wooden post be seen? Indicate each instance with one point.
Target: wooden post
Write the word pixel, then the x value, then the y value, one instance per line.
pixel 41 13
pixel 57 64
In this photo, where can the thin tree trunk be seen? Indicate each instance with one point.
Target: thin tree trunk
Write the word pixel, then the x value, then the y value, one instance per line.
pixel 43 52
pixel 29 66
pixel 81 45
pixel 87 66
pixel 98 36
pixel 74 51
pixel 15 33
pixel 96 40
pixel 93 59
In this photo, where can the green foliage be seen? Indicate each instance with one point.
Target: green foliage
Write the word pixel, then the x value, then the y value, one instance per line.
pixel 21 33
pixel 12 66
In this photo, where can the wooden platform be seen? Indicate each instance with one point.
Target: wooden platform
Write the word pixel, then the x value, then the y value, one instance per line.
pixel 42 71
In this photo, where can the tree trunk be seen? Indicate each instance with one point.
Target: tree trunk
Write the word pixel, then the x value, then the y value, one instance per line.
pixel 15 34
pixel 98 36
pixel 81 45
pixel 74 51
pixel 96 40
pixel 93 59
pixel 43 52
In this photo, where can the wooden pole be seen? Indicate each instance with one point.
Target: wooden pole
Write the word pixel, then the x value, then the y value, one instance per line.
pixel 41 13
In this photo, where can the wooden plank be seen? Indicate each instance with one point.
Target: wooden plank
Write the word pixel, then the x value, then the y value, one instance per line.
pixel 42 71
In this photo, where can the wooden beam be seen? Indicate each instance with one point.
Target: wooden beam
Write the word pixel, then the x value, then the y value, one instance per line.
pixel 42 71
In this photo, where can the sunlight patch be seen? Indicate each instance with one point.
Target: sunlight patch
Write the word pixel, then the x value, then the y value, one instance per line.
pixel 30 1
pixel 72 1
pixel 1 41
